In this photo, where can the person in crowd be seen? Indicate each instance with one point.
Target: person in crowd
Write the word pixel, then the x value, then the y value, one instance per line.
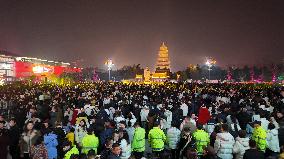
pixel 157 139
pixel 124 143
pixel 203 115
pixel 4 139
pixel 115 152
pixel 58 130
pixel 109 129
pixel 272 140
pixel 107 150
pixel 138 142
pixel 14 137
pixel 27 139
pixel 38 150
pixel 280 120
pixel 186 142
pixel 210 125
pixel 259 136
pixel 209 153
pixel 173 138
pixel 51 143
pixel 71 136
pixel 253 152
pixel 234 127
pixel 241 144
pixel 144 113
pixel 213 136
pixel 201 138
pixel 80 132
pixel 53 115
pixel 69 150
pixel 224 143
pixel 90 142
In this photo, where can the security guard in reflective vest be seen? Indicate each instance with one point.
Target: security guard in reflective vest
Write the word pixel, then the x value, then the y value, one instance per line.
pixel 259 136
pixel 138 142
pixel 201 138
pixel 157 139
pixel 89 142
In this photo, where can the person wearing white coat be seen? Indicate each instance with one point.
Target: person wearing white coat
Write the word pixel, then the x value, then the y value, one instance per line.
pixel 241 145
pixel 173 138
pixel 224 143
pixel 272 140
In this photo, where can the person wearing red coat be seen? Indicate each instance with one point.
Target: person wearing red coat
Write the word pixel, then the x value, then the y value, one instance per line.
pixel 203 115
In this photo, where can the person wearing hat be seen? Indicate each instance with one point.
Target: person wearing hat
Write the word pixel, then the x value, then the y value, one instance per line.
pixel 259 136
pixel 69 150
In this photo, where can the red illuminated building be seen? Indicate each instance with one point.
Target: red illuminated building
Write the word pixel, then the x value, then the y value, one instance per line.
pixel 14 67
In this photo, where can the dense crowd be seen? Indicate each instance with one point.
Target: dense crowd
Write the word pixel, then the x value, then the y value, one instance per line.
pixel 116 120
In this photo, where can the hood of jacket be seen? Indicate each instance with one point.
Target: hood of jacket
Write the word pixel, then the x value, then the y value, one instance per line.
pixel 274 132
pixel 243 141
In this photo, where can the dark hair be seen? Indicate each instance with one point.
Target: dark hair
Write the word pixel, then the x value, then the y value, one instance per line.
pixel 271 126
pixel 66 143
pixel 72 129
pixel 225 127
pixel 217 129
pixel 115 145
pixel 25 128
pixel 242 133
pixel 199 126
pixel 252 144
pixel 13 119
pixel 91 153
pixel 38 141
pixel 90 131
pixel 156 123
pixel 136 124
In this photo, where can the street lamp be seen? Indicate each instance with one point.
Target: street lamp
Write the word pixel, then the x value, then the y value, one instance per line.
pixel 109 65
pixel 210 62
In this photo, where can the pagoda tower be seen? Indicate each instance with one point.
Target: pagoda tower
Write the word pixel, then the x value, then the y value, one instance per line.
pixel 163 62
pixel 162 70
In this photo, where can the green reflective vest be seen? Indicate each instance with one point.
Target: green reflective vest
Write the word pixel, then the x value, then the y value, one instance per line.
pixel 73 151
pixel 89 142
pixel 259 136
pixel 202 140
pixel 157 139
pixel 138 142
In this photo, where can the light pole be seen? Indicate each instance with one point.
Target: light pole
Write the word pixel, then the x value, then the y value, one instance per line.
pixel 210 62
pixel 109 65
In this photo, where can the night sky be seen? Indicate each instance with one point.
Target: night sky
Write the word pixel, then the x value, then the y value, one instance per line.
pixel 130 31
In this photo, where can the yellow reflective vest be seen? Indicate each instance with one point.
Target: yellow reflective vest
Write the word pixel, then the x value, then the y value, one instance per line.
pixel 138 142
pixel 89 142
pixel 73 151
pixel 201 139
pixel 259 136
pixel 157 139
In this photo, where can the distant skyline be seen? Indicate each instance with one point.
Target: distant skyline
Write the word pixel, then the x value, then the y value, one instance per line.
pixel 131 32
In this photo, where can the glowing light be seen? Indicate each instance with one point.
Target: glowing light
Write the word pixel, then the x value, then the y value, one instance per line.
pixel 41 69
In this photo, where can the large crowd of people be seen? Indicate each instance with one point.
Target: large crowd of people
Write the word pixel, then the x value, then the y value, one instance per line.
pixel 133 121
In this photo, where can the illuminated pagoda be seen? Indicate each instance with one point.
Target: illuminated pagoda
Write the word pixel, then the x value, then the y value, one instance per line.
pixel 162 70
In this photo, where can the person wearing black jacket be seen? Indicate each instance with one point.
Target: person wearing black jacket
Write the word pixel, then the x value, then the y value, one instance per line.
pixel 4 140
pixel 14 136
pixel 253 152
